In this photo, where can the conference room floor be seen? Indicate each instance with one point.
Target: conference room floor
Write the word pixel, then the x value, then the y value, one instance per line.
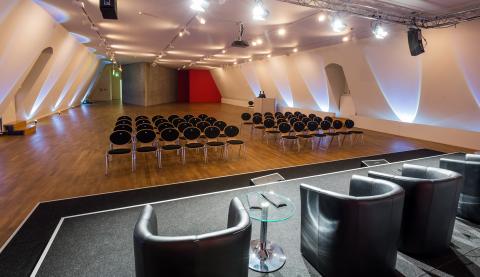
pixel 65 158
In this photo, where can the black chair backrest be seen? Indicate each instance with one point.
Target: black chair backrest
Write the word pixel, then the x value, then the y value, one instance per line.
pixel 160 121
pixel 250 103
pixel 297 113
pixel 169 134
pixel 212 132
pixel 141 117
pixel 268 113
pixel 144 127
pixel 287 114
pixel 246 116
pixel 268 123
pixel 280 120
pixel 284 127
pixel 194 121
pixel 318 119
pixel 120 137
pixel 156 117
pixel 123 127
pixel 231 131
pixel 328 118
pixel 202 116
pixel 146 136
pixel 124 117
pixel 301 116
pixel 312 126
pixel 142 121
pixel 220 124
pixel 172 117
pixel 164 125
pixel 182 126
pixel 278 114
pixel 305 120
pixel 124 122
pixel 257 119
pixel 202 125
pixel 312 116
pixel 293 120
pixel 349 124
pixel 325 125
pixel 299 126
pixel 187 117
pixel 337 124
pixel 192 133
pixel 211 120
pixel 256 114
pixel 269 117
pixel 177 121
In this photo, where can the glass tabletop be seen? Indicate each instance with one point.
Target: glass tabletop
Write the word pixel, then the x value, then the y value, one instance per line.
pixel 268 206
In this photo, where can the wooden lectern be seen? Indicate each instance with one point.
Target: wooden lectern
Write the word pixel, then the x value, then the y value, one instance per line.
pixel 263 105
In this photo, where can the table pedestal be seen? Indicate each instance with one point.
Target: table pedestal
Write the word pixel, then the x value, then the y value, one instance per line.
pixel 265 256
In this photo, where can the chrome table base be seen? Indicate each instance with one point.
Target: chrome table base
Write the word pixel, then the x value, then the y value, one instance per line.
pixel 266 257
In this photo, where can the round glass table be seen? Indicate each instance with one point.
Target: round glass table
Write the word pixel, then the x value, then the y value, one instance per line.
pixel 267 206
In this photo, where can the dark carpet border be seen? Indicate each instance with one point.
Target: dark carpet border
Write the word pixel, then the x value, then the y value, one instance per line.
pixel 23 250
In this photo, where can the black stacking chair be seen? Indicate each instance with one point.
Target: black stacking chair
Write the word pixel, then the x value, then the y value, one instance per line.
pixel 305 120
pixel 325 126
pixel 123 122
pixel 117 138
pixel 256 114
pixel 170 137
pixel 354 134
pixel 160 121
pixel 141 117
pixel 318 120
pixel 212 133
pixel 268 114
pixel 202 125
pixel 211 120
pixel 246 120
pixel 123 127
pixel 302 116
pixel 203 116
pixel 156 117
pixel 124 117
pixel 278 114
pixel 145 136
pixel 312 116
pixel 312 132
pixel 142 121
pixel 172 117
pixel 144 127
pixel 177 121
pixel 192 134
pixel 187 117
pixel 258 124
pixel 181 127
pixel 163 126
pixel 221 125
pixel 329 119
pixel 336 125
pixel 299 128
pixel 270 130
pixel 297 113
pixel 286 129
pixel 287 114
pixel 232 132
pixel 194 121
pixel 293 120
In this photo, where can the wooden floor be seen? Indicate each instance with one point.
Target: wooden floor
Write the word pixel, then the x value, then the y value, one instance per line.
pixel 65 158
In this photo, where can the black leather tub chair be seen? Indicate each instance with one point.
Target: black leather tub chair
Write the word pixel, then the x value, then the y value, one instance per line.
pixel 431 199
pixel 469 204
pixel 219 253
pixel 355 234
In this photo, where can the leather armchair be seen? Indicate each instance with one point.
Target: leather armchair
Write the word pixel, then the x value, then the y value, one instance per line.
pixel 469 204
pixel 220 253
pixel 431 199
pixel 355 234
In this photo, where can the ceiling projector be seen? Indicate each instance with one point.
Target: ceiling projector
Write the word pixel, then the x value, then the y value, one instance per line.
pixel 240 42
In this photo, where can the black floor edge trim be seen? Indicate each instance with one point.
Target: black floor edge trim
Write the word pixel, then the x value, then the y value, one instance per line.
pixel 21 254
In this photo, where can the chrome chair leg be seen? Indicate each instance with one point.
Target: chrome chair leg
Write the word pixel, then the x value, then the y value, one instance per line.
pixel 157 154
pixel 205 154
pixel 160 159
pixel 298 144
pixel 106 164
pixel 134 161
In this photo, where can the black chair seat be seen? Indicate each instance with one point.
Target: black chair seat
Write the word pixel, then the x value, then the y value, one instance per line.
pixel 194 145
pixel 247 123
pixel 356 132
pixel 235 142
pixel 119 151
pixel 215 143
pixel 146 149
pixel 305 136
pixel 273 131
pixel 222 136
pixel 182 138
pixel 344 133
pixel 289 137
pixel 332 134
pixel 259 127
pixel 320 135
pixel 171 147
pixel 202 136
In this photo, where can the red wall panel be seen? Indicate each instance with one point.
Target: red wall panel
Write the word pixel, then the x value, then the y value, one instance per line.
pixel 202 87
pixel 183 86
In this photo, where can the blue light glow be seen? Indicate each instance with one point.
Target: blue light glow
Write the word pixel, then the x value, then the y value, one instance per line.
pixel 248 71
pixel 94 80
pixel 399 79
pixel 312 71
pixel 58 14
pixel 68 85
pixel 80 38
pixel 82 84
pixel 469 63
pixel 280 79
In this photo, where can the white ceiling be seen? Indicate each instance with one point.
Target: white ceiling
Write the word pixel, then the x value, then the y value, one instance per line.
pixel 137 38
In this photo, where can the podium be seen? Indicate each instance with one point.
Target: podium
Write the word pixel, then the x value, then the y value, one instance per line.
pixel 263 105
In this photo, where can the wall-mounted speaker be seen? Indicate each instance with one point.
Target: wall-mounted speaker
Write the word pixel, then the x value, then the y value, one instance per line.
pixel 415 41
pixel 109 9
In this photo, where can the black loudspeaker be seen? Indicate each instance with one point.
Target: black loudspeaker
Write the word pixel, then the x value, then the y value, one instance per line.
pixel 415 41
pixel 109 9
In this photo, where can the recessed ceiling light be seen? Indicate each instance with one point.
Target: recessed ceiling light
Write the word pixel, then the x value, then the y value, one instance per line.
pixel 224 51
pixel 379 31
pixel 259 41
pixel 140 12
pixel 260 13
pixel 269 55
pixel 281 32
pixel 199 5
pixel 201 19
pixel 345 38
pixel 322 17
pixel 250 59
pixel 235 62
pixel 254 43
pixel 295 50
pixel 338 25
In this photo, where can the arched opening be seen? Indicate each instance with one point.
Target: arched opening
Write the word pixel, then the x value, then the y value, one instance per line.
pixel 29 82
pixel 340 91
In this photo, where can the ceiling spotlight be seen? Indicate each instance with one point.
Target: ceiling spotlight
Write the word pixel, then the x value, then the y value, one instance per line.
pixel 235 62
pixel 295 50
pixel 338 25
pixel 345 38
pixel 254 43
pixel 378 31
pixel 79 3
pixel 259 41
pixel 269 56
pixel 281 32
pixel 250 59
pixel 260 13
pixel 199 5
pixel 94 27
pixel 322 17
pixel 140 13
pixel 200 19
pixel 180 34
pixel 224 51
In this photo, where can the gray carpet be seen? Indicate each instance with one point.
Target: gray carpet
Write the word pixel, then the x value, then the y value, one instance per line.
pixel 101 244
